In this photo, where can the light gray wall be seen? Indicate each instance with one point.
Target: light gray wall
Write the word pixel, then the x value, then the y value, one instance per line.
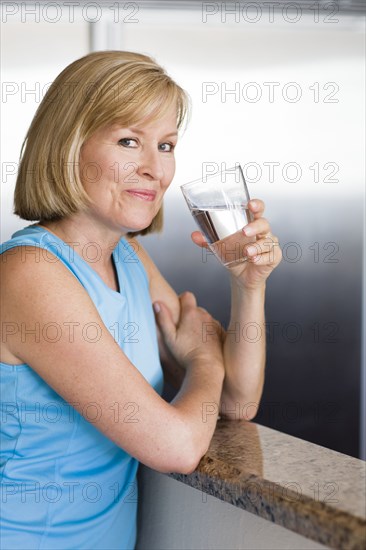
pixel 175 516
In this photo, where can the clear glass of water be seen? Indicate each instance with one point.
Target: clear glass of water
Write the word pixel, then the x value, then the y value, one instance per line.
pixel 219 205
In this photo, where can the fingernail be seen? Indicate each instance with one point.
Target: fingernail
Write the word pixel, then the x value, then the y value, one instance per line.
pixel 254 205
pixel 248 231
pixel 156 307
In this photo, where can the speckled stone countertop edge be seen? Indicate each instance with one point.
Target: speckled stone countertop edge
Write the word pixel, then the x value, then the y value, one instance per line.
pixel 234 470
pixel 313 522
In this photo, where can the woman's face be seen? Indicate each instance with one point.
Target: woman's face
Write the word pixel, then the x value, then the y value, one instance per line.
pixel 126 171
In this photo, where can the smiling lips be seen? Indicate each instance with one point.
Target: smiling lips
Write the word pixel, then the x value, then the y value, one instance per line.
pixel 143 194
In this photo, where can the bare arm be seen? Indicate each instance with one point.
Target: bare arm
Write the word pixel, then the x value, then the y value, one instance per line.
pixel 244 341
pixel 167 437
pixel 244 354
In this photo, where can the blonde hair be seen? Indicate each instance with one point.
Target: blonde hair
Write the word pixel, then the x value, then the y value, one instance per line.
pixel 98 89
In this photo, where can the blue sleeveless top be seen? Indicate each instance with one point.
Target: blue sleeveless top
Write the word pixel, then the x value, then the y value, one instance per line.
pixel 63 483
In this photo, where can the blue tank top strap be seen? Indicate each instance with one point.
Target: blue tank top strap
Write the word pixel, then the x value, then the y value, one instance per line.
pixel 124 253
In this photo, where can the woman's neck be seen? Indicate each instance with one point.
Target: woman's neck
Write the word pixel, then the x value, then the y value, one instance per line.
pixel 93 241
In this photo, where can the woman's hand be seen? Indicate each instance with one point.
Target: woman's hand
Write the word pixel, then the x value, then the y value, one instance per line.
pixel 263 255
pixel 197 335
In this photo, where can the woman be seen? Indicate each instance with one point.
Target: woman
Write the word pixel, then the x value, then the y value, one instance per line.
pixel 81 373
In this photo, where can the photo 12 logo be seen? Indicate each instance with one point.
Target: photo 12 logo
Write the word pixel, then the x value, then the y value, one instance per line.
pixel 69 12
pixel 270 171
pixel 269 12
pixel 270 92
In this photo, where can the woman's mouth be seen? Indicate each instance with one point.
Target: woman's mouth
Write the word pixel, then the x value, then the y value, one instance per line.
pixel 143 194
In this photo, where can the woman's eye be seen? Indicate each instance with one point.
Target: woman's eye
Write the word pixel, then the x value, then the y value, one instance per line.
pixel 127 142
pixel 166 147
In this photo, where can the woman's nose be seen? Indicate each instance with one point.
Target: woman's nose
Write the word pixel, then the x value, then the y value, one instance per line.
pixel 151 166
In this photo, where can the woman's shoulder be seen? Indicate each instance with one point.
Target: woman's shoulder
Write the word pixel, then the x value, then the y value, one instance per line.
pixel 31 240
pixel 20 255
pixel 30 266
pixel 25 268
pixel 34 249
pixel 30 288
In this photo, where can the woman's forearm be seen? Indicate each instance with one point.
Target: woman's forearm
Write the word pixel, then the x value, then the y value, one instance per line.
pixel 199 399
pixel 244 353
pixel 173 372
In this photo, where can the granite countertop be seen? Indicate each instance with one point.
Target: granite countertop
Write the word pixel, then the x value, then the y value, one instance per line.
pixel 309 489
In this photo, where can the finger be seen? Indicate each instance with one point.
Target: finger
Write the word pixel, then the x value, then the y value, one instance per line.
pixel 165 321
pixel 266 244
pixel 187 301
pixel 256 206
pixel 199 239
pixel 259 227
pixel 270 258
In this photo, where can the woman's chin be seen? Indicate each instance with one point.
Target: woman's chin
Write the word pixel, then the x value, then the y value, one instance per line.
pixel 139 226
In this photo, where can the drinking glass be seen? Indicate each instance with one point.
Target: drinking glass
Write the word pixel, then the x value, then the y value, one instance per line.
pixel 219 205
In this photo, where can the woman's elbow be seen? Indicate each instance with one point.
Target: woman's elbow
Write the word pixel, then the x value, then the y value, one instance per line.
pixel 183 455
pixel 184 464
pixel 240 409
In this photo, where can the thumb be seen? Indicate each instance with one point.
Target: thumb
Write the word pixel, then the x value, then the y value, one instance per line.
pixel 165 321
pixel 199 239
